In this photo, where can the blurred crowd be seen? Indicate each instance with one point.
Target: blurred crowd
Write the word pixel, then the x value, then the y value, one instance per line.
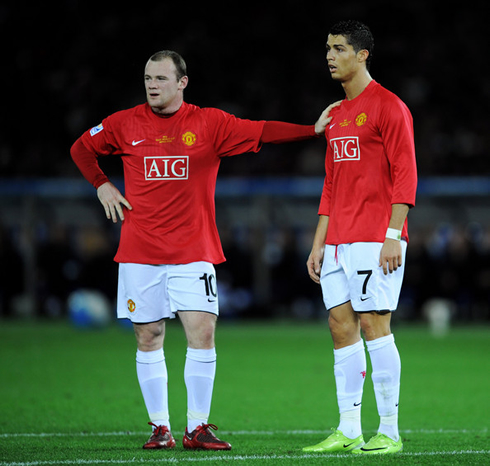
pixel 265 274
pixel 71 63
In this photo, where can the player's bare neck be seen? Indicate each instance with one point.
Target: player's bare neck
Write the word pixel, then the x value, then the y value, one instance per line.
pixel 355 86
pixel 166 112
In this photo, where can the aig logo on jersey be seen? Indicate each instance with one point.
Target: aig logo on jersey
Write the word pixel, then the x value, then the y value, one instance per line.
pixel 345 149
pixel 167 168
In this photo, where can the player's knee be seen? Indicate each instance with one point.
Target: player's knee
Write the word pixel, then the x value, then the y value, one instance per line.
pixel 149 336
pixel 343 331
pixel 203 338
pixel 374 325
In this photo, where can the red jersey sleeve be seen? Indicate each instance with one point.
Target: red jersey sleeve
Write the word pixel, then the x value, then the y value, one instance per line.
pixel 277 132
pixel 396 126
pixel 324 208
pixel 98 141
pixel 86 161
pixel 232 135
pixel 102 139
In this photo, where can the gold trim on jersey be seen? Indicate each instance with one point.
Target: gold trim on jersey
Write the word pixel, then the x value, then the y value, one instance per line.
pixel 165 139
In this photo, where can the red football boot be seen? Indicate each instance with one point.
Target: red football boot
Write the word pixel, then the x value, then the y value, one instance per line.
pixel 203 439
pixel 160 438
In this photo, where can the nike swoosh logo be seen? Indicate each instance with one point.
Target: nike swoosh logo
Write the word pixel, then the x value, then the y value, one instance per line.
pixel 365 299
pixel 373 449
pixel 331 126
pixel 135 143
pixel 211 300
pixel 347 446
pixel 357 404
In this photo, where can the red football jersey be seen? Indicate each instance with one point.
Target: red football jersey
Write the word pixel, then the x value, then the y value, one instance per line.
pixel 370 165
pixel 170 168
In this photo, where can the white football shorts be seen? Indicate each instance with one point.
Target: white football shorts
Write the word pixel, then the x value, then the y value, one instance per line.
pixel 351 272
pixel 148 293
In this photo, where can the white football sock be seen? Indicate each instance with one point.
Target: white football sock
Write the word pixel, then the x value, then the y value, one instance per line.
pixel 386 380
pixel 350 371
pixel 199 373
pixel 350 423
pixel 152 377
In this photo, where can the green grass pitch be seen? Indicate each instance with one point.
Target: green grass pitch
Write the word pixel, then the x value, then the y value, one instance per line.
pixel 71 397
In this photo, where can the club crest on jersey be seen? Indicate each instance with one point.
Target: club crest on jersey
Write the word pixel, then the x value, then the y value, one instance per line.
pixel 96 129
pixel 189 138
pixel 361 119
pixel 346 148
pixel 167 168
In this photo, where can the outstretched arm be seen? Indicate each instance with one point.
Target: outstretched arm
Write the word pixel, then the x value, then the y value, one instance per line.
pixel 277 132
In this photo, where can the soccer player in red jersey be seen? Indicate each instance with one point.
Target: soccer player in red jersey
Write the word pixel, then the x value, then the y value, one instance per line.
pixel 171 152
pixel 361 239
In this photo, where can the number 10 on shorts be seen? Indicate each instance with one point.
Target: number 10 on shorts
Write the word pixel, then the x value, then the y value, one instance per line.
pixel 209 285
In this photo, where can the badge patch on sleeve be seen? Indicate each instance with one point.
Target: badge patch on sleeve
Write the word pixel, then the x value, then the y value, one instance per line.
pixel 96 129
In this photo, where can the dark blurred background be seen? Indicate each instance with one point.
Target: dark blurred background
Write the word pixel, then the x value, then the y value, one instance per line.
pixel 68 64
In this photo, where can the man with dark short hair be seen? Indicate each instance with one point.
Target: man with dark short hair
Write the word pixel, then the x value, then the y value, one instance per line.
pixel 358 252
